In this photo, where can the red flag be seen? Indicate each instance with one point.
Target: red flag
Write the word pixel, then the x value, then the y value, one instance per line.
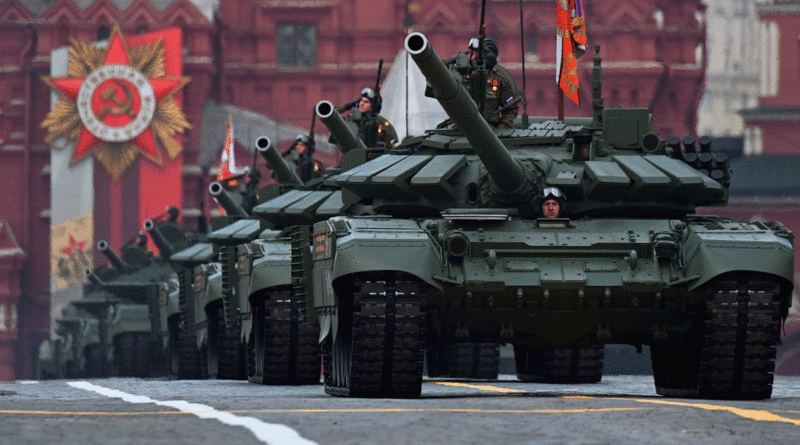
pixel 227 166
pixel 570 44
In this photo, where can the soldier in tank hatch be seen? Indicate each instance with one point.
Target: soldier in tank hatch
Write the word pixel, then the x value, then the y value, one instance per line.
pixel 372 127
pixel 501 103
pixel 551 202
pixel 301 154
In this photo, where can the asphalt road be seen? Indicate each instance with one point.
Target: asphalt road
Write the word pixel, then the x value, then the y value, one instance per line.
pixel 619 410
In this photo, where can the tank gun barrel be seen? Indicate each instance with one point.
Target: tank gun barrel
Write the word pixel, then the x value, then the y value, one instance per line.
pixel 225 200
pixel 92 277
pixel 345 138
pixel 506 172
pixel 283 173
pixel 164 246
pixel 112 256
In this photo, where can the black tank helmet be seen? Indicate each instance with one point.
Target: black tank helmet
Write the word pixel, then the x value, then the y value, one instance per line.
pixel 306 140
pixel 490 50
pixel 551 193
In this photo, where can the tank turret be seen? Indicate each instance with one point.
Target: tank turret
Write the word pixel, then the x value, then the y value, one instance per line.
pixel 283 173
pixel 345 138
pixel 226 201
pixel 112 256
pixel 164 246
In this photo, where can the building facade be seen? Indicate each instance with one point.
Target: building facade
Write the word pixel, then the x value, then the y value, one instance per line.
pixel 733 74
pixel 279 58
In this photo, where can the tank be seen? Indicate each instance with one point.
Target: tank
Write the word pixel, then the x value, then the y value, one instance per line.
pixel 130 302
pixel 216 310
pixel 259 292
pixel 463 253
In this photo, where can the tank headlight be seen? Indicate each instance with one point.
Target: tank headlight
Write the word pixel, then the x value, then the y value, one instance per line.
pixel 457 245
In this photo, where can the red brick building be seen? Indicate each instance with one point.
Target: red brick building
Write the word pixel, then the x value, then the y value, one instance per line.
pixel 279 58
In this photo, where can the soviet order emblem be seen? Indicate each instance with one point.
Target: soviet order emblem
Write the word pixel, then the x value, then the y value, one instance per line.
pixel 117 103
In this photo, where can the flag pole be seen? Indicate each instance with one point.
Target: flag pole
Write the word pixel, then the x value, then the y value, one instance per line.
pixel 560 103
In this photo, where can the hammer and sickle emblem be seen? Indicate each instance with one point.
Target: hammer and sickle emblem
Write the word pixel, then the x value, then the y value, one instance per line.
pixel 109 95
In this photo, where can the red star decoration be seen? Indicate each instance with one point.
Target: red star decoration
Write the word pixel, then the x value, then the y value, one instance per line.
pixel 74 246
pixel 117 54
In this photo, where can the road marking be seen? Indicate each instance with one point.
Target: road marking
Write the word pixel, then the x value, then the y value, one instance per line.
pixel 752 414
pixel 481 387
pixel 90 413
pixel 328 411
pixel 269 433
pixel 450 410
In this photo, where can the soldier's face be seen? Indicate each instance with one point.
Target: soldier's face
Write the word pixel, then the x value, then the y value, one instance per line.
pixel 551 208
pixel 364 105
pixel 300 147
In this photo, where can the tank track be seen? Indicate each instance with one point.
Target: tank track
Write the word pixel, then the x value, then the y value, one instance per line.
pixel 559 365
pixel 184 355
pixel 95 361
pixel 291 354
pixel 733 355
pixel 464 360
pixel 132 355
pixel 379 347
pixel 225 359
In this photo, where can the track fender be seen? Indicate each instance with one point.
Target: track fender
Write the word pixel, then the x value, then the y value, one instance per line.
pixel 373 246
pixel 712 254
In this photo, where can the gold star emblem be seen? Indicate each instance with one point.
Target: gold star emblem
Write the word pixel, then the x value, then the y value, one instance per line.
pixel 116 102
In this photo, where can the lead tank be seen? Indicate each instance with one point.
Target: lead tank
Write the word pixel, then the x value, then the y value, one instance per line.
pixel 462 254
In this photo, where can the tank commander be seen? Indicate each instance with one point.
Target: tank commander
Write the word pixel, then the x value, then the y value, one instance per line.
pixel 301 154
pixel 552 202
pixel 372 127
pixel 501 104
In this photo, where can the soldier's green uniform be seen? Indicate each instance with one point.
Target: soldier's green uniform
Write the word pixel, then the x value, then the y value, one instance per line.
pixel 501 89
pixel 305 164
pixel 372 127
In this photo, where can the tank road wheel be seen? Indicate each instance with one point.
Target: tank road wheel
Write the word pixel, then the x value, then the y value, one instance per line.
pixel 559 365
pixel 464 360
pixel 379 346
pixel 225 357
pixel 183 353
pixel 291 348
pixel 733 356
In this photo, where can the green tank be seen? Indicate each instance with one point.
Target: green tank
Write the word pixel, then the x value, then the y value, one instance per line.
pixel 65 356
pixel 464 254
pixel 258 291
pixel 137 328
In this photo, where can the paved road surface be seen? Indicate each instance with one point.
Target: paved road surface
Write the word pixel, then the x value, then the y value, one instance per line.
pixel 619 410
